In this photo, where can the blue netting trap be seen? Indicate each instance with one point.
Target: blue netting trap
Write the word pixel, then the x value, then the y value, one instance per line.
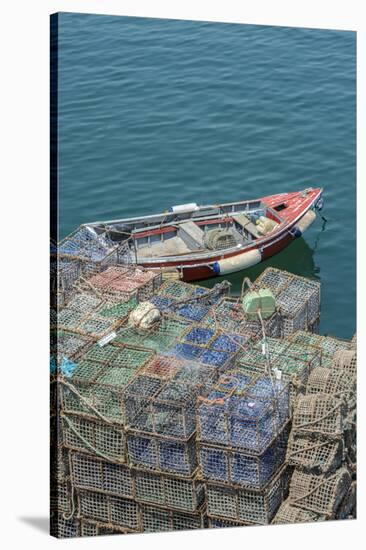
pixel 164 406
pixel 192 311
pixel 215 358
pixel 196 373
pixel 200 291
pixel 186 351
pixel 228 342
pixel 161 302
pixel 233 466
pixel 86 243
pixel 199 335
pixel 162 455
pixel 235 415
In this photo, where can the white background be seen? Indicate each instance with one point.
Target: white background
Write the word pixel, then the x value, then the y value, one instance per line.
pixel 24 89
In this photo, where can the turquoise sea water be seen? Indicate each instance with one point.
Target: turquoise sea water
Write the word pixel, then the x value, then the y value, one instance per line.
pixel 159 112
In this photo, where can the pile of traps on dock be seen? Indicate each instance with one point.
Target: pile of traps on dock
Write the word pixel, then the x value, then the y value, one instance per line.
pixel 207 417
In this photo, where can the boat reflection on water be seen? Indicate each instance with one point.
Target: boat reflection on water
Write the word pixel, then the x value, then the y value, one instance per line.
pixel 297 258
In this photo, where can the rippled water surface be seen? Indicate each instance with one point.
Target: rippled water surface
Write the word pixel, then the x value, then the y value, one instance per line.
pixel 158 112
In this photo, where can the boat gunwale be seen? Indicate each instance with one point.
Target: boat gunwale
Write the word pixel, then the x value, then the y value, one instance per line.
pixel 212 256
pixel 262 242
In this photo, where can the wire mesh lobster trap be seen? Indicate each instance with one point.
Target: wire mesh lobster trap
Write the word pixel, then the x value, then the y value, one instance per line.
pixel 61 498
pixel 67 344
pixel 353 343
pixel 233 466
pixel 199 336
pixel 99 250
pixel 218 361
pixel 350 439
pixel 294 361
pixel 161 408
pixel 156 519
pixel 272 326
pixel 251 507
pixel 254 360
pixel 305 338
pixel 109 509
pixel 330 348
pixel 64 272
pixel 308 291
pixel 176 290
pixel 96 474
pixel 347 508
pixel 62 528
pixel 162 367
pixel 218 523
pixel 56 433
pixel 215 348
pixel 117 283
pixel 297 298
pixel 274 279
pixel 90 528
pixel 228 316
pixel 95 437
pixel 287 513
pixel 98 382
pixel 167 406
pixel 293 312
pixel 173 492
pixel 345 361
pixel 330 345
pixel 314 453
pixel 244 411
pixel 77 317
pixel 335 382
pixel 164 455
pixel 320 414
pixel 319 494
pixel 160 338
pixel 59 464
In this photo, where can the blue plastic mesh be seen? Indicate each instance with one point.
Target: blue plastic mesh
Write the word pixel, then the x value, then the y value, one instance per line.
pixel 244 412
pixel 233 466
pixel 161 302
pixel 86 244
pixel 199 335
pixel 214 358
pixel 193 312
pixel 186 351
pixel 162 455
pixel 228 342
pixel 199 291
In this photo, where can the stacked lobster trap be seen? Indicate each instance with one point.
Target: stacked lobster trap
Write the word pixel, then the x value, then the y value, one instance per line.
pixel 243 430
pixel 322 442
pixel 103 302
pixel 186 424
pixel 297 299
pixel 291 361
pixel 82 254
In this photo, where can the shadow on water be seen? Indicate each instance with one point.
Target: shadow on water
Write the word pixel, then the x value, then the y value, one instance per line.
pixel 39 523
pixel 297 258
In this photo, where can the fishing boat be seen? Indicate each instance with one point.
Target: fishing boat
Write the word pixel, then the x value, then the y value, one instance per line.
pixel 199 242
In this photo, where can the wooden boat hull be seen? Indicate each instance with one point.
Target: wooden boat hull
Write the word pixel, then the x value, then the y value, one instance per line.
pixel 236 261
pixel 290 214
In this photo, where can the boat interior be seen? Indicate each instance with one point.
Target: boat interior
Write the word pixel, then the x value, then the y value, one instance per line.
pixel 196 231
